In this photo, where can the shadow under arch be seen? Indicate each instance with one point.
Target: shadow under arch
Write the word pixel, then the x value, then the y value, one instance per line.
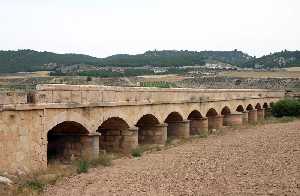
pixel 149 130
pixel 240 108
pixel 112 131
pixel 65 141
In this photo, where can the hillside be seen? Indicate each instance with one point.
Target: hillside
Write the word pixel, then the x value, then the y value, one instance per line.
pixel 276 60
pixel 30 60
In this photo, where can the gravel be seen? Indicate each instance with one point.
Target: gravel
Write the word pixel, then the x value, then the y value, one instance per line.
pixel 264 160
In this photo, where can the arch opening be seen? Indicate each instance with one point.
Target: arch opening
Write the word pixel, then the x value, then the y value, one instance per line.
pixel 65 142
pixel 226 111
pixel 211 112
pixel 258 106
pixel 175 125
pixel 215 121
pixel 147 129
pixel 112 131
pixel 198 124
pixel 195 114
pixel 265 106
pixel 240 108
pixel 249 107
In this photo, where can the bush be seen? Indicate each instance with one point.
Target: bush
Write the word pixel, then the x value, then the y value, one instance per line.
pixel 82 166
pixel 287 107
pixel 34 185
pixel 137 152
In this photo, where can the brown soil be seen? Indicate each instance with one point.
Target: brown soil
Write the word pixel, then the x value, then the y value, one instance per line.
pixel 263 160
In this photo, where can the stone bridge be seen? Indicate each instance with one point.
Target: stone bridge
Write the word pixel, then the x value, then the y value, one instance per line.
pixel 65 122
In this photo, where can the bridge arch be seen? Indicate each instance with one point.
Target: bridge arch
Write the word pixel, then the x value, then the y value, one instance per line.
pixel 265 105
pixel 148 126
pixel 195 114
pixel 258 106
pixel 112 131
pixel 225 111
pixel 240 108
pixel 174 123
pixel 65 141
pixel 249 107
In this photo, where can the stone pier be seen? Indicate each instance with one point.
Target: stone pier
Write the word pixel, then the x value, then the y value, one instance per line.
pixel 199 126
pixel 252 116
pixel 156 134
pixel 179 129
pixel 215 122
pixel 233 119
pixel 260 115
pixel 245 117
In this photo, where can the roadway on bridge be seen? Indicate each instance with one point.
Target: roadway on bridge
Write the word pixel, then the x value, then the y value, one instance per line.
pixel 253 161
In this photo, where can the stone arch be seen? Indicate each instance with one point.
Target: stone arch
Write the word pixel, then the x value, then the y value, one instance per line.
pixel 68 116
pixel 215 121
pixel 149 130
pixel 225 111
pixel 176 126
pixel 112 131
pixel 211 112
pixel 66 141
pixel 198 123
pixel 240 108
pixel 249 107
pixel 258 106
pixel 174 117
pixel 195 114
pixel 265 105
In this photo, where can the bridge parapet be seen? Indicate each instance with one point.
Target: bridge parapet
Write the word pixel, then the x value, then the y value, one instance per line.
pixel 92 94
pixel 86 94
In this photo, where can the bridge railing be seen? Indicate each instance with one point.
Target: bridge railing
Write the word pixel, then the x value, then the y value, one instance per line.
pixel 88 94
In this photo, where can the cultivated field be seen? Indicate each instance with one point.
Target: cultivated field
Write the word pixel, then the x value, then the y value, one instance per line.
pixel 293 73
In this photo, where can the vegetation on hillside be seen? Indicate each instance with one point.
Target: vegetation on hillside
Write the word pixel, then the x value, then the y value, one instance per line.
pixel 275 60
pixel 30 60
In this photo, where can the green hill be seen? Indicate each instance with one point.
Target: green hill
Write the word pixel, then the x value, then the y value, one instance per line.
pixel 30 60
pixel 275 60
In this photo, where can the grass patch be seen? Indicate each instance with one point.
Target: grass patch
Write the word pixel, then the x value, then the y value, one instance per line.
pixel 82 166
pixel 104 160
pixel 137 152
pixel 203 134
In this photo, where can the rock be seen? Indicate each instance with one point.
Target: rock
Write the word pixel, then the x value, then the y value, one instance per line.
pixel 4 180
pixel 48 177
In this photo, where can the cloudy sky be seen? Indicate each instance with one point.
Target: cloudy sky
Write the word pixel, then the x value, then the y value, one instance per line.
pixel 105 27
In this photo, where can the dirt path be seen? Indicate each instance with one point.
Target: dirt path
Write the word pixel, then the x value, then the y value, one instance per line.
pixel 255 161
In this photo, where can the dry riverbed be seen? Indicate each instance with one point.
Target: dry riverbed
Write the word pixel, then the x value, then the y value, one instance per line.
pixel 263 160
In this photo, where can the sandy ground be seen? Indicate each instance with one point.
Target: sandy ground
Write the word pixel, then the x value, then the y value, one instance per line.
pixel 256 161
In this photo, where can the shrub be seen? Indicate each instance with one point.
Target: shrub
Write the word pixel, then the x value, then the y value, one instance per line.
pixel 137 152
pixel 34 185
pixel 82 166
pixel 287 107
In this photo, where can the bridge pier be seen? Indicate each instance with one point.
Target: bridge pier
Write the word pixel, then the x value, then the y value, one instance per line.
pixel 215 122
pixel 90 145
pixel 252 116
pixel 179 129
pixel 155 134
pixel 199 126
pixel 260 115
pixel 268 112
pixel 233 119
pixel 129 139
pixel 245 117
pixel 119 140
